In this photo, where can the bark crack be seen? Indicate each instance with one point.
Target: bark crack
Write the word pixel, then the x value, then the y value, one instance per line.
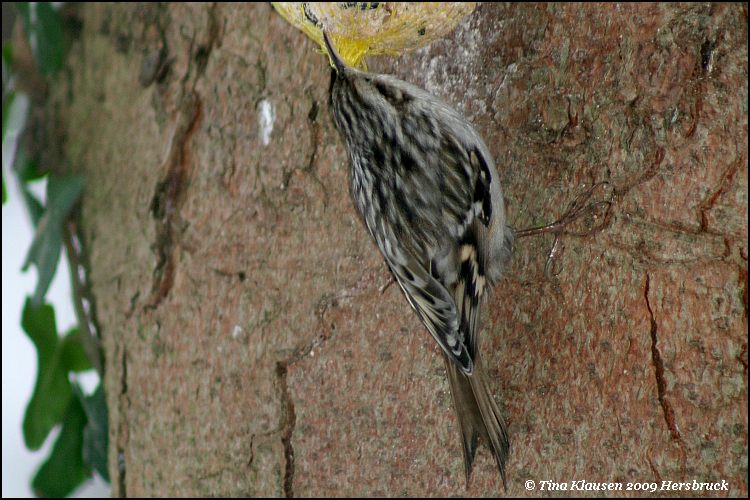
pixel 661 384
pixel 288 415
pixel 288 422
pixel 742 357
pixel 169 195
pixel 122 430
pixel 252 451
pixel 204 50
pixel 315 140
pixel 657 476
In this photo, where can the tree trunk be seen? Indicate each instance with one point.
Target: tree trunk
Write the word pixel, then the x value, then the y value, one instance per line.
pixel 249 350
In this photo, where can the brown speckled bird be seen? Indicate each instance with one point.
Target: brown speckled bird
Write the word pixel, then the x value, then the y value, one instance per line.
pixel 426 187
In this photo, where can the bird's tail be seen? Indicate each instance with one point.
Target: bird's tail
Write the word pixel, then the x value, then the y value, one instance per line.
pixel 478 415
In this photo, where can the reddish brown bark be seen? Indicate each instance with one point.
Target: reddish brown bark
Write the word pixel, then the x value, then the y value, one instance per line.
pixel 249 349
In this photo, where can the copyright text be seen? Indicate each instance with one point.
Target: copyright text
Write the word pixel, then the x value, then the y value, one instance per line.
pixel 583 485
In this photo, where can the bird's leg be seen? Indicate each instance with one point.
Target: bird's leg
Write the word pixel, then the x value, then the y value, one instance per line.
pixel 578 208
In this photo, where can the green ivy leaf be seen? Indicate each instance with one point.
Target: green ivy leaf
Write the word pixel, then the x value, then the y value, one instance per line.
pixel 34 206
pixel 27 171
pixel 64 470
pixel 45 255
pixel 7 53
pixel 73 353
pixel 96 433
pixel 45 33
pixel 52 391
pixel 62 193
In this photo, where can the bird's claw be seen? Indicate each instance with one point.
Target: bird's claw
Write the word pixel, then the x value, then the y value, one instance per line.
pixel 580 207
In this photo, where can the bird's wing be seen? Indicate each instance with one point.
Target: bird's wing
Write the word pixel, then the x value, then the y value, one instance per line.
pixel 451 318
pixel 471 275
pixel 435 308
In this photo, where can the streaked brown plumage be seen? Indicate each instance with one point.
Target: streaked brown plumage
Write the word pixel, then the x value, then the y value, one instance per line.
pixel 426 187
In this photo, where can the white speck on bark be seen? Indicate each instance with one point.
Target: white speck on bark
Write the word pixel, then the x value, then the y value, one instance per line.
pixel 266 117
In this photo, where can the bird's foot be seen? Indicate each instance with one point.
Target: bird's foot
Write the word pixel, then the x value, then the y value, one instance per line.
pixel 582 208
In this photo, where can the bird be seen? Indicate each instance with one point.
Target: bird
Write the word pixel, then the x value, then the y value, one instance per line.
pixel 425 185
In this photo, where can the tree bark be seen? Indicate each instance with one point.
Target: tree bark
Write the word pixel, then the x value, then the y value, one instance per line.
pixel 249 350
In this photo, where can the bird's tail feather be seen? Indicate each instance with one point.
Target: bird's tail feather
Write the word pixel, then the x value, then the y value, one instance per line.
pixel 478 416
